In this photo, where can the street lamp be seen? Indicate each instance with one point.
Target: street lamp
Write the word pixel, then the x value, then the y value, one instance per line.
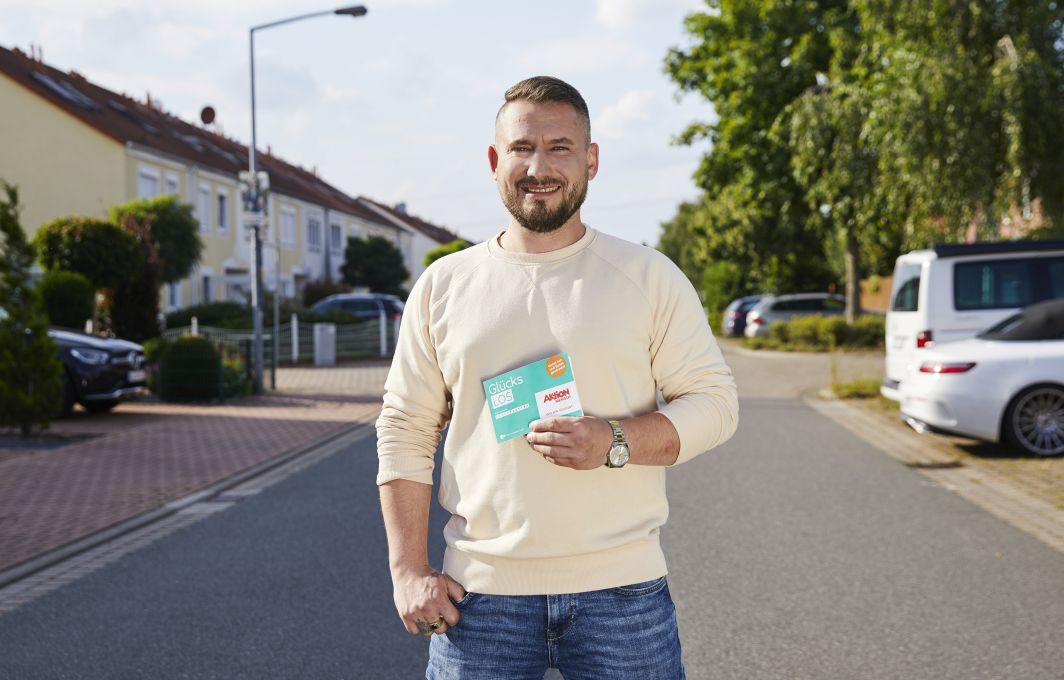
pixel 254 203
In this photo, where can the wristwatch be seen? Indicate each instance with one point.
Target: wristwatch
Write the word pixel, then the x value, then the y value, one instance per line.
pixel 619 453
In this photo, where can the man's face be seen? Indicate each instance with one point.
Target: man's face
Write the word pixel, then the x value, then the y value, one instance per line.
pixel 542 163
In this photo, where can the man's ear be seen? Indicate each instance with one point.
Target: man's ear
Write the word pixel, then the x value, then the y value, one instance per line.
pixel 493 159
pixel 592 160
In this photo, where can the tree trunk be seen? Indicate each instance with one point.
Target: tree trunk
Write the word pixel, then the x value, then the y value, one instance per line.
pixel 853 277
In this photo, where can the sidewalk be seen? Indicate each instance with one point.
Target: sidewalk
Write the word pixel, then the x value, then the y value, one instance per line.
pixel 146 454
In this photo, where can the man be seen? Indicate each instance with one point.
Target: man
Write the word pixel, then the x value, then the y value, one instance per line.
pixel 553 558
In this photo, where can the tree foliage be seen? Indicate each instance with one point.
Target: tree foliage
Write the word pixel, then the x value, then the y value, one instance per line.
pixel 134 303
pixel 173 229
pixel 30 372
pixel 850 130
pixel 67 297
pixel 446 249
pixel 375 263
pixel 100 251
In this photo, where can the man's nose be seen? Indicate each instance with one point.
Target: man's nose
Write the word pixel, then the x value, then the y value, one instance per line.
pixel 537 165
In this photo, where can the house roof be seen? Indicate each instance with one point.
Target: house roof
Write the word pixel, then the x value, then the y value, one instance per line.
pixel 144 124
pixel 398 213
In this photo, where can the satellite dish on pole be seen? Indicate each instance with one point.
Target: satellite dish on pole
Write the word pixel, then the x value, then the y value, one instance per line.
pixel 207 115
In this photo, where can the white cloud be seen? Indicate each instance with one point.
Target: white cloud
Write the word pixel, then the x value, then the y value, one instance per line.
pixel 621 14
pixel 624 116
pixel 579 55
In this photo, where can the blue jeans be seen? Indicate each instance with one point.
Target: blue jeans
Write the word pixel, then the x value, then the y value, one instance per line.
pixel 626 633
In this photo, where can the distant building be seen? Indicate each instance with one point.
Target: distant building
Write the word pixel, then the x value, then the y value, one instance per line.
pixel 74 148
pixel 424 236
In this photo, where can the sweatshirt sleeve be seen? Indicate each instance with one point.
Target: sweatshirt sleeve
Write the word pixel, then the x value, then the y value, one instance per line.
pixel 416 400
pixel 701 399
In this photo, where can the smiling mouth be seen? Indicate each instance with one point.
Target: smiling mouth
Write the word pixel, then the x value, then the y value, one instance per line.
pixel 541 191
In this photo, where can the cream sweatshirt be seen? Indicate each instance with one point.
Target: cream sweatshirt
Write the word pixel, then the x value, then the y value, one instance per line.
pixel 632 325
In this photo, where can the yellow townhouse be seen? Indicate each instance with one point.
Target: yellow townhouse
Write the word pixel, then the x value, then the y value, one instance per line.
pixel 74 148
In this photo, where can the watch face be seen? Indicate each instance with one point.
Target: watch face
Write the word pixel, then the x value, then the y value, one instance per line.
pixel 618 455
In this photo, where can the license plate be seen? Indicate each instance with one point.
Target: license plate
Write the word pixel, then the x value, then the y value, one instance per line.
pixel 136 376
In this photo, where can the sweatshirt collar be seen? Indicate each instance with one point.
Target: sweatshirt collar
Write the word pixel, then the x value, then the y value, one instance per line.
pixel 498 252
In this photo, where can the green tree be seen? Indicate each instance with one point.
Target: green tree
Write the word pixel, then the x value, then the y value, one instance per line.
pixel 751 59
pixel 446 249
pixel 173 229
pixel 30 372
pixel 134 303
pixel 100 251
pixel 374 263
pixel 67 297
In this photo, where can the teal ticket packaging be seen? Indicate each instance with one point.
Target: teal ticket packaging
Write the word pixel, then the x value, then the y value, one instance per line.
pixel 542 389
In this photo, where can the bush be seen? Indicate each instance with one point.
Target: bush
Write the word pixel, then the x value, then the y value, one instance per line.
pixel 68 298
pixel 154 350
pixel 31 377
pixel 319 290
pixel 868 331
pixel 822 333
pixel 209 314
pixel 190 369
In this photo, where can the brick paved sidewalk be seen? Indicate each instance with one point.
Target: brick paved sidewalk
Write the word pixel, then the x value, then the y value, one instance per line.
pixel 146 454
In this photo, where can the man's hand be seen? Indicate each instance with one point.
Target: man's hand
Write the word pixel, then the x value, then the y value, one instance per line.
pixel 579 443
pixel 423 600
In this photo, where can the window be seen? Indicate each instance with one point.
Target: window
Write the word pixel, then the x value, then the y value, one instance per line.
pixel 206 288
pixel 313 235
pixel 223 213
pixel 832 305
pixel 147 183
pixel 997 284
pixel 205 208
pixel 906 288
pixel 336 234
pixel 288 226
pixel 173 185
pixel 173 297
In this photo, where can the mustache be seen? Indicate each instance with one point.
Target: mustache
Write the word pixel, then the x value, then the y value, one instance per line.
pixel 536 183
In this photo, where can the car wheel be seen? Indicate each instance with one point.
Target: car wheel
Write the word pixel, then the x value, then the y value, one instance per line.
pixel 69 397
pixel 1034 421
pixel 100 406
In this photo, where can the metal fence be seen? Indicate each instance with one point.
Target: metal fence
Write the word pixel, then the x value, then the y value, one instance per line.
pixel 363 340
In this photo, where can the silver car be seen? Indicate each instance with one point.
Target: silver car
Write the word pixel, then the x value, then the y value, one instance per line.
pixel 783 307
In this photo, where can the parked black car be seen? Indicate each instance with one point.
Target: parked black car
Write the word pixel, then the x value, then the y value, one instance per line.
pixel 361 305
pixel 98 372
pixel 735 315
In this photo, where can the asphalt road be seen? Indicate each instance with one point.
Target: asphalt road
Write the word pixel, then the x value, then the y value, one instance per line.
pixel 796 551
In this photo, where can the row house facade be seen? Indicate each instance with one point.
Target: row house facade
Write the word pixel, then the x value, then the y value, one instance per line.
pixel 74 148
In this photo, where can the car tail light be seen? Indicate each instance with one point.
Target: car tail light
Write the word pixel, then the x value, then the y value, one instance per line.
pixel 924 339
pixel 734 314
pixel 945 367
pixel 756 319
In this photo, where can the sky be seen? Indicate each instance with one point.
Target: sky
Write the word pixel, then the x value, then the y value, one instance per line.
pixel 399 105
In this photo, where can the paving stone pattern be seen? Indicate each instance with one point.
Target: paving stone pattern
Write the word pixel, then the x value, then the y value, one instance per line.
pixel 147 454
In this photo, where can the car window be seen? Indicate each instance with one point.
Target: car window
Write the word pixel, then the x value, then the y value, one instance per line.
pixel 1056 278
pixel 394 306
pixel 833 305
pixel 906 288
pixel 748 305
pixel 785 305
pixel 996 284
pixel 363 307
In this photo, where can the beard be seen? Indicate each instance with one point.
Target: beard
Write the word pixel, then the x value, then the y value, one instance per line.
pixel 539 218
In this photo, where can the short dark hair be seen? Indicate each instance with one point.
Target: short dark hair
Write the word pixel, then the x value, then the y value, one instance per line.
pixel 541 89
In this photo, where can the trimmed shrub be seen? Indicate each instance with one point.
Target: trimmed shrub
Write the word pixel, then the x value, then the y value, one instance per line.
pixel 68 298
pixel 832 331
pixel 209 314
pixel 868 331
pixel 190 369
pixel 780 332
pixel 804 331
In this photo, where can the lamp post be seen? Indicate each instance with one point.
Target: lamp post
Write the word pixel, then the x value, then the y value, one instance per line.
pixel 254 202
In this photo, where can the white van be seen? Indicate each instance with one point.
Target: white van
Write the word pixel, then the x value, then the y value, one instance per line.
pixel 952 292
